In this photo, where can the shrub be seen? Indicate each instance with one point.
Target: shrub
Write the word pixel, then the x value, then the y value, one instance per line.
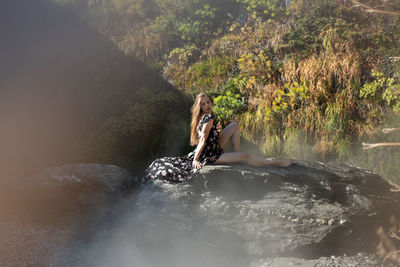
pixel 383 90
pixel 228 105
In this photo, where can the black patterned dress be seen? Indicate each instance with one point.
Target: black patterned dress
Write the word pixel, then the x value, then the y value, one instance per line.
pixel 179 169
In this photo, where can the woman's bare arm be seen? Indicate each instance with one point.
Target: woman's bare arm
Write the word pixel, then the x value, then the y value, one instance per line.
pixel 219 129
pixel 205 131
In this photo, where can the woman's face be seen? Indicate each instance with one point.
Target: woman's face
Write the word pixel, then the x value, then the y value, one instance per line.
pixel 206 105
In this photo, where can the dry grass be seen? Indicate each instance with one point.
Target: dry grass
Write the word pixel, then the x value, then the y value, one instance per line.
pixel 329 116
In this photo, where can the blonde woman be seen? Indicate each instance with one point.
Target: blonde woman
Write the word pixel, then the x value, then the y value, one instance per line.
pixel 210 142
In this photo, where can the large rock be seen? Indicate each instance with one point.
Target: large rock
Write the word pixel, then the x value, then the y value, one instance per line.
pixel 298 207
pixel 306 210
pixel 224 216
pixel 360 259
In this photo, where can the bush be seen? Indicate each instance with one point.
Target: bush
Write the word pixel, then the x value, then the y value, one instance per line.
pixel 142 131
pixel 383 90
pixel 228 105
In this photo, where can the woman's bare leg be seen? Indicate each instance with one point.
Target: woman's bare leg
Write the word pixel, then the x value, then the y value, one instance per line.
pixel 241 157
pixel 231 131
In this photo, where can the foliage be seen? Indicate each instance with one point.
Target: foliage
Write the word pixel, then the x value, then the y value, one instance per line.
pixel 181 22
pixel 205 76
pixel 227 105
pixel 295 145
pixel 383 90
pixel 319 98
pixel 310 20
pixel 264 9
pixel 256 68
pixel 150 29
pixel 316 73
pixel 144 129
pixel 183 56
pixel 303 75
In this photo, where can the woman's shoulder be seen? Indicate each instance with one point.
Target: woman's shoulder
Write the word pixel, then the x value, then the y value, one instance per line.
pixel 206 118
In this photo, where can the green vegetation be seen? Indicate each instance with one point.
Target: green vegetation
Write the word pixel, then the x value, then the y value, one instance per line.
pixel 132 137
pixel 382 90
pixel 148 29
pixel 311 80
pixel 264 9
pixel 227 105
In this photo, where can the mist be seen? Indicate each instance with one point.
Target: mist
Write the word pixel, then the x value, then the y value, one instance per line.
pixel 155 227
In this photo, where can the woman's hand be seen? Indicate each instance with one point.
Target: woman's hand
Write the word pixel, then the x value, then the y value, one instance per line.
pixel 197 164
pixel 219 127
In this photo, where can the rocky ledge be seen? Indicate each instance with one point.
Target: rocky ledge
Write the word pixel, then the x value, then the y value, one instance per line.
pixel 309 214
pixel 308 210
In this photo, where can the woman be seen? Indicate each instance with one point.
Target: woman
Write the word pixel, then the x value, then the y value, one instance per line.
pixel 205 135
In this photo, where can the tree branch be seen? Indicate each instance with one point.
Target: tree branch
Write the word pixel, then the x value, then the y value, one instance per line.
pixel 391 254
pixel 394 235
pixel 388 130
pixel 368 146
pixel 371 10
pixel 395 188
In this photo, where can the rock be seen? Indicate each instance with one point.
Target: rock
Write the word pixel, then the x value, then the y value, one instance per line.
pixel 309 214
pixel 360 259
pixel 42 213
pixel 305 210
pixel 109 177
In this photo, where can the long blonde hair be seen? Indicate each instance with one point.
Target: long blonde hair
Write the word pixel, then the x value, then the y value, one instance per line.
pixel 196 115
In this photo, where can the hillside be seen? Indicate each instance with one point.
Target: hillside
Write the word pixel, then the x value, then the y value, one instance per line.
pixel 69 95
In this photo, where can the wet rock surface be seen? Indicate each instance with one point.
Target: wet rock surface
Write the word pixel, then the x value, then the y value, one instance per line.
pixel 305 209
pixel 309 214
pixel 358 260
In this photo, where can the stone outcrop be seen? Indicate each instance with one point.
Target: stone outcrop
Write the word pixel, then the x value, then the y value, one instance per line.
pixel 307 214
pixel 360 259
pixel 306 210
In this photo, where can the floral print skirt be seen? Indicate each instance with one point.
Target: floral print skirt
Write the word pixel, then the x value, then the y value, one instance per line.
pixel 176 169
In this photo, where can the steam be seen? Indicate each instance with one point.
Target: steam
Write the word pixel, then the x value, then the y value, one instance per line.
pixel 154 228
